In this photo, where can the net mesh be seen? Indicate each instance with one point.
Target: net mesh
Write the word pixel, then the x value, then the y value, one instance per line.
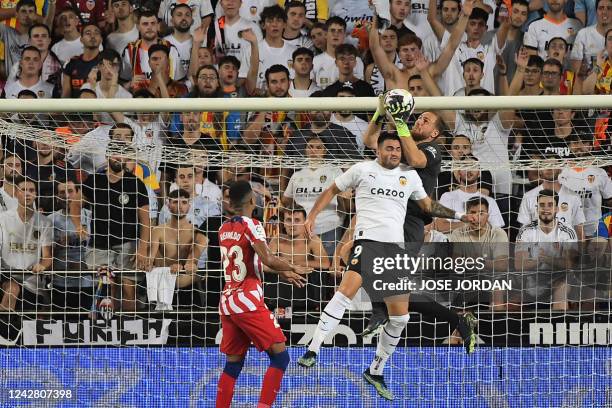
pixel 164 334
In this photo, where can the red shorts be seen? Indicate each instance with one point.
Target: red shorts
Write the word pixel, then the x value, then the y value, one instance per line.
pixel 240 330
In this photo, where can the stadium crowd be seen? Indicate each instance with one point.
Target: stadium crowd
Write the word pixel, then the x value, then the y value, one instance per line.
pixel 79 208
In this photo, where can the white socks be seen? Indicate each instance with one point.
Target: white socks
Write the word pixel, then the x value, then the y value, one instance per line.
pixel 331 316
pixel 387 342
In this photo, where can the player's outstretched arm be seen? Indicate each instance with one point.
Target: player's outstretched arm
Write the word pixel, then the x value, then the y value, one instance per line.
pixel 322 202
pixel 293 274
pixel 435 209
pixel 370 137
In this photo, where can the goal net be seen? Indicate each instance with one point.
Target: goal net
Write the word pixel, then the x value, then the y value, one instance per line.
pixel 112 273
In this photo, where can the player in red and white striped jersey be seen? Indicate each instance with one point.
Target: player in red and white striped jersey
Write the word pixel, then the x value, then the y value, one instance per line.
pixel 245 319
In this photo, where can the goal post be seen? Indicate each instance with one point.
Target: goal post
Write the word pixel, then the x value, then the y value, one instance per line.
pixel 146 190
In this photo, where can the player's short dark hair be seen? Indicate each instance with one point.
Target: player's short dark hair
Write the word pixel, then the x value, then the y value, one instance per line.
pixel 120 126
pixel 479 14
pixel 294 4
pixel 416 77
pixel 295 209
pixel 276 68
pixel 548 193
pixel 408 39
pixel 272 12
pixel 27 92
pixel 335 20
pixel 440 125
pixel 231 60
pixel 346 49
pixel 535 61
pixel 90 91
pixel 38 25
pixel 387 136
pixel 177 6
pixel 302 51
pixel 554 62
pixel 179 193
pixel 475 202
pixel 240 193
pixel 474 61
pixel 23 3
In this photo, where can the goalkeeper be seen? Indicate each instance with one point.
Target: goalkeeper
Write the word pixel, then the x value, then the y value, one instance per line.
pixel 421 151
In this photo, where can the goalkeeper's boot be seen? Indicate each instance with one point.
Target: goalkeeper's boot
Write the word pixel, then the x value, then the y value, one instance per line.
pixel 466 326
pixel 378 319
pixel 378 381
pixel 308 359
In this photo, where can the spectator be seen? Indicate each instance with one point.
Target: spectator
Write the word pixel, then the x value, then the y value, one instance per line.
pixel 176 243
pixel 461 149
pixel 481 239
pixel 530 76
pixel 200 207
pixel 546 245
pixel 599 80
pixel 318 35
pixel 250 10
pixel 554 24
pixel 136 68
pixel 295 245
pixel 347 59
pixel 373 74
pixel 449 15
pixel 25 240
pixel 306 184
pixel 159 62
pixel 120 226
pixel 197 181
pixel 602 243
pixel 45 169
pixel 15 39
pixel 126 31
pixel 316 11
pixel 40 37
pixel 107 87
pixel 180 38
pixel 201 10
pixel 472 75
pixel 77 70
pixel 555 139
pixel 515 38
pixel 11 171
pixel 198 134
pixel 269 132
pixel 70 45
pixel 591 40
pixel 456 199
pixel 228 27
pixel 556 51
pixel 302 85
pixel 355 125
pixel 295 33
pixel 149 128
pixel 569 211
pixel 200 56
pixel 399 11
pixel 325 68
pixel 272 50
pixel 29 76
pixel 86 13
pixel 591 184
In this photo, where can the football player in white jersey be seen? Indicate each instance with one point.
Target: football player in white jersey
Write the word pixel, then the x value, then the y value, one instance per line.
pixel 546 245
pixel 382 189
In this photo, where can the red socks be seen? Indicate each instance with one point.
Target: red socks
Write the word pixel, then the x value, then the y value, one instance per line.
pixel 225 391
pixel 271 386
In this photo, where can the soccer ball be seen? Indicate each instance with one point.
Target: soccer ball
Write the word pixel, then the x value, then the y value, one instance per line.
pixel 398 101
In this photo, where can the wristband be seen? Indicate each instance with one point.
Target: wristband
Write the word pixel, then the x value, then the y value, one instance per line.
pixel 377 118
pixel 459 215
